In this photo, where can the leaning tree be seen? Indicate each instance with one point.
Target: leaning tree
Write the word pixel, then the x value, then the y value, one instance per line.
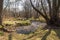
pixel 51 15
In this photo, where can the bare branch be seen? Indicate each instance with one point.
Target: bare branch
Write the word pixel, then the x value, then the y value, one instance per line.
pixel 49 4
pixel 39 11
pixel 43 9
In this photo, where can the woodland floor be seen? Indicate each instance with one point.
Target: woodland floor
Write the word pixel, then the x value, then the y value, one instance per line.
pixel 38 34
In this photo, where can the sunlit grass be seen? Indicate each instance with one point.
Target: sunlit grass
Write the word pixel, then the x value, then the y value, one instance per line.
pixel 21 22
pixel 39 34
pixel 41 19
pixel 1 33
pixel 1 26
pixel 9 22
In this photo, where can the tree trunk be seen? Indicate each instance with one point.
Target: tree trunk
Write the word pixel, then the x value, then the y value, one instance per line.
pixel 1 7
pixel 53 24
pixel 52 19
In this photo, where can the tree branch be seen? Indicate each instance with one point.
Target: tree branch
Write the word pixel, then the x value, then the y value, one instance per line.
pixel 43 9
pixel 38 11
pixel 49 4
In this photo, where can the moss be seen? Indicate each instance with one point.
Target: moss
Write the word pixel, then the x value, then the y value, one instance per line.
pixel 23 23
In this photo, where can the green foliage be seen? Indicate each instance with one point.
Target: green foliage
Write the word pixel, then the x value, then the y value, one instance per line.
pixel 32 18
pixel 8 23
pixel 19 22
pixel 41 19
pixel 23 23
pixel 1 33
pixel 1 26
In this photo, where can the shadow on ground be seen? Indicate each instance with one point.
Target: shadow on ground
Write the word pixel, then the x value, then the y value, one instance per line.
pixel 45 36
pixel 57 31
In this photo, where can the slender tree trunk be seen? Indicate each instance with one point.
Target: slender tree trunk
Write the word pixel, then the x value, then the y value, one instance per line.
pixel 1 7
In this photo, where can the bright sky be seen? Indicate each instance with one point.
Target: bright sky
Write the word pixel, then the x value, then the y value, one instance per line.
pixel 12 0
pixel 19 6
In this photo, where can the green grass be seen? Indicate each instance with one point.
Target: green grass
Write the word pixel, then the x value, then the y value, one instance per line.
pixel 1 33
pixel 1 26
pixel 40 34
pixel 23 23
pixel 41 19
pixel 9 22
pixel 20 22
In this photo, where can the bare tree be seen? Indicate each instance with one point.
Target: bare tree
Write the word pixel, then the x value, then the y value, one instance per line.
pixel 53 11
pixel 27 8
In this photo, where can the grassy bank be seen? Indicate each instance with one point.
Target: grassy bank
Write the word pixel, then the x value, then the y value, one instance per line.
pixel 39 34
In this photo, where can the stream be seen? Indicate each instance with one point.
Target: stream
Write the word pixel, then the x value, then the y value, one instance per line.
pixel 30 28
